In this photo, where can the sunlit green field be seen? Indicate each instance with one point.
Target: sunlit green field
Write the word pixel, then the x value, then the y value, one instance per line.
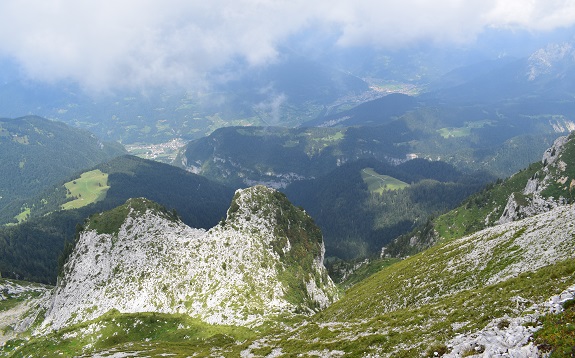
pixel 89 188
pixel 377 183
pixel 457 132
pixel 23 215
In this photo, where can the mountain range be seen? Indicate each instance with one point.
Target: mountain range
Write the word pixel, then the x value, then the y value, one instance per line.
pixel 494 292
pixel 296 90
pixel 288 92
pixel 445 230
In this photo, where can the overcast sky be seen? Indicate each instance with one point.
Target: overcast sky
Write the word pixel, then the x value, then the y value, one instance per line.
pixel 136 43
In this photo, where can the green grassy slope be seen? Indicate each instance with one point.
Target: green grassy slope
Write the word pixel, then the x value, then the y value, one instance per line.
pixel 420 303
pixel 377 183
pixel 91 187
pixel 485 208
pixel 490 202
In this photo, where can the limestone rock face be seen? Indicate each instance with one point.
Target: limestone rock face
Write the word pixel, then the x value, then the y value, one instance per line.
pixel 557 171
pixel 265 258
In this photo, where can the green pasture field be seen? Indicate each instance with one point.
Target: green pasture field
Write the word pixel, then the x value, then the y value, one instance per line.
pixel 89 188
pixel 377 183
pixel 457 132
pixel 23 216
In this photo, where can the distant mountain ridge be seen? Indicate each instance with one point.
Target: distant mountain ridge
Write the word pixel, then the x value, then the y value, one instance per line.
pixel 288 92
pixel 376 112
pixel 492 138
pixel 547 73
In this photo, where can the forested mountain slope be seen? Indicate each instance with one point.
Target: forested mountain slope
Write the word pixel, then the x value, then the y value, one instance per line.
pixel 38 152
pixel 364 205
pixel 541 187
pixel 31 249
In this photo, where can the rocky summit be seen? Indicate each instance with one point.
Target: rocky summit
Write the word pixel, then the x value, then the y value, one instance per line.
pixel 551 186
pixel 264 259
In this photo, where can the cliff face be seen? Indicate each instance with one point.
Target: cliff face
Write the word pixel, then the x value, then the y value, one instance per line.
pixel 552 186
pixel 264 259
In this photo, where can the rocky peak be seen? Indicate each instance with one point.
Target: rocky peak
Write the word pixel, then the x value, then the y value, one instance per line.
pixel 551 186
pixel 271 212
pixel 553 153
pixel 264 259
pixel 549 60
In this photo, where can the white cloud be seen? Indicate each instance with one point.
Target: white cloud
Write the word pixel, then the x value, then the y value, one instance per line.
pixel 138 43
pixel 535 15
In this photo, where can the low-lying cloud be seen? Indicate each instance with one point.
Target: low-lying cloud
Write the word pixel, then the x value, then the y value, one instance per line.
pixel 139 43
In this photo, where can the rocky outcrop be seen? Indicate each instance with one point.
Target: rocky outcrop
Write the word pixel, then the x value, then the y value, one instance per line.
pixel 20 303
pixel 509 336
pixel 264 259
pixel 533 199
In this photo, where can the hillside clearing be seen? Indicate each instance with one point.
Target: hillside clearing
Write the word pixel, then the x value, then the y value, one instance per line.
pixel 377 183
pixel 89 188
pixel 465 131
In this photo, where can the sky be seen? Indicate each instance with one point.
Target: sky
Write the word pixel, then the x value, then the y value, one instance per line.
pixel 138 43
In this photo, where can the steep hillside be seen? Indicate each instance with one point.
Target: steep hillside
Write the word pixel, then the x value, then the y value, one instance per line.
pixel 198 201
pixel 552 185
pixel 265 259
pixel 37 153
pixel 487 290
pixel 127 177
pixel 357 221
pixel 19 303
pixel 539 188
pixel 272 155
